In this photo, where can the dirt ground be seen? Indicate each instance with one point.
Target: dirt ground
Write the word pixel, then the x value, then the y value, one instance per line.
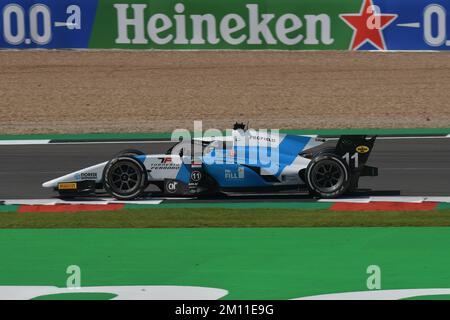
pixel 144 91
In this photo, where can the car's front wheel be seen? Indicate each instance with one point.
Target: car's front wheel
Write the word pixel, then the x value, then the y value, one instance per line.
pixel 327 176
pixel 125 178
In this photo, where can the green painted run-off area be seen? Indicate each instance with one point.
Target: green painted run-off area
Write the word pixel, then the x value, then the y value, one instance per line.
pixel 264 263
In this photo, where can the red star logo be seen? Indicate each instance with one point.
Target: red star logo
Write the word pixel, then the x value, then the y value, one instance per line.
pixel 368 25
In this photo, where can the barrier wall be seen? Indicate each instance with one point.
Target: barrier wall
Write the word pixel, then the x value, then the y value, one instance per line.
pixel 226 24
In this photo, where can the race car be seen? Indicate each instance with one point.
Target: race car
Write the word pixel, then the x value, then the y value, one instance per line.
pixel 247 161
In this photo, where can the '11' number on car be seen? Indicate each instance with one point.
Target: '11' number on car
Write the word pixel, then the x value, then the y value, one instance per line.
pixel 349 159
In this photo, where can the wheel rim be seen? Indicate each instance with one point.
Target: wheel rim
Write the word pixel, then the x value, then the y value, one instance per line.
pixel 125 178
pixel 327 176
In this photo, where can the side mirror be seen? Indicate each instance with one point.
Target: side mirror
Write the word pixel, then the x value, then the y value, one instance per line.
pixel 181 153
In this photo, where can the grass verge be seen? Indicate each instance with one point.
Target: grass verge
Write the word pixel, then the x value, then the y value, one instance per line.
pixel 167 135
pixel 219 217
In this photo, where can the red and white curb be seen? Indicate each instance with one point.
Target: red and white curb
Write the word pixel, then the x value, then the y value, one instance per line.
pixel 58 205
pixel 105 201
pixel 378 203
pixel 402 199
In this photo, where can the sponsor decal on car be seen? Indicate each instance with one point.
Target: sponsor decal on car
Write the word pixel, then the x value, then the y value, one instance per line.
pixel 171 186
pixel 196 176
pixel 166 160
pixel 67 186
pixel 86 176
pixel 239 174
pixel 260 138
pixel 164 166
pixel 362 149
pixel 166 163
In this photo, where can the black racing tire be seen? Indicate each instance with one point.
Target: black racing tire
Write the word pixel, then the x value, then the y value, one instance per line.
pixel 131 153
pixel 354 179
pixel 125 178
pixel 327 176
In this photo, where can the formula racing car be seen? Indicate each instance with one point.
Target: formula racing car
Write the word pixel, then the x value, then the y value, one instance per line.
pixel 245 161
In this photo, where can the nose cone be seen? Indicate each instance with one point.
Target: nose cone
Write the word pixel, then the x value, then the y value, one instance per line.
pixel 91 173
pixel 47 184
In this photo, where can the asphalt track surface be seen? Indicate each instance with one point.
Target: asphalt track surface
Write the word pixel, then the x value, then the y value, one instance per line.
pixel 407 167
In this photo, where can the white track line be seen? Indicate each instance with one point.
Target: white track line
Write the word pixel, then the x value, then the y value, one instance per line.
pixel 103 201
pixel 82 202
pixel 47 142
pixel 438 199
pixel 398 199
pixel 403 199
pixel 46 202
pixel 136 202
pixel 350 200
pixel 22 142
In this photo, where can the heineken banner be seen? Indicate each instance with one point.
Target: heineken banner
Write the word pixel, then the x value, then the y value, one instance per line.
pixel 226 24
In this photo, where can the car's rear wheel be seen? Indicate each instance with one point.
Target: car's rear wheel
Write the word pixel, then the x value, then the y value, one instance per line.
pixel 125 178
pixel 327 176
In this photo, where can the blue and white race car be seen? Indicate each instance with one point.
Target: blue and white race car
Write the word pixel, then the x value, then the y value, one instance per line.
pixel 246 161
